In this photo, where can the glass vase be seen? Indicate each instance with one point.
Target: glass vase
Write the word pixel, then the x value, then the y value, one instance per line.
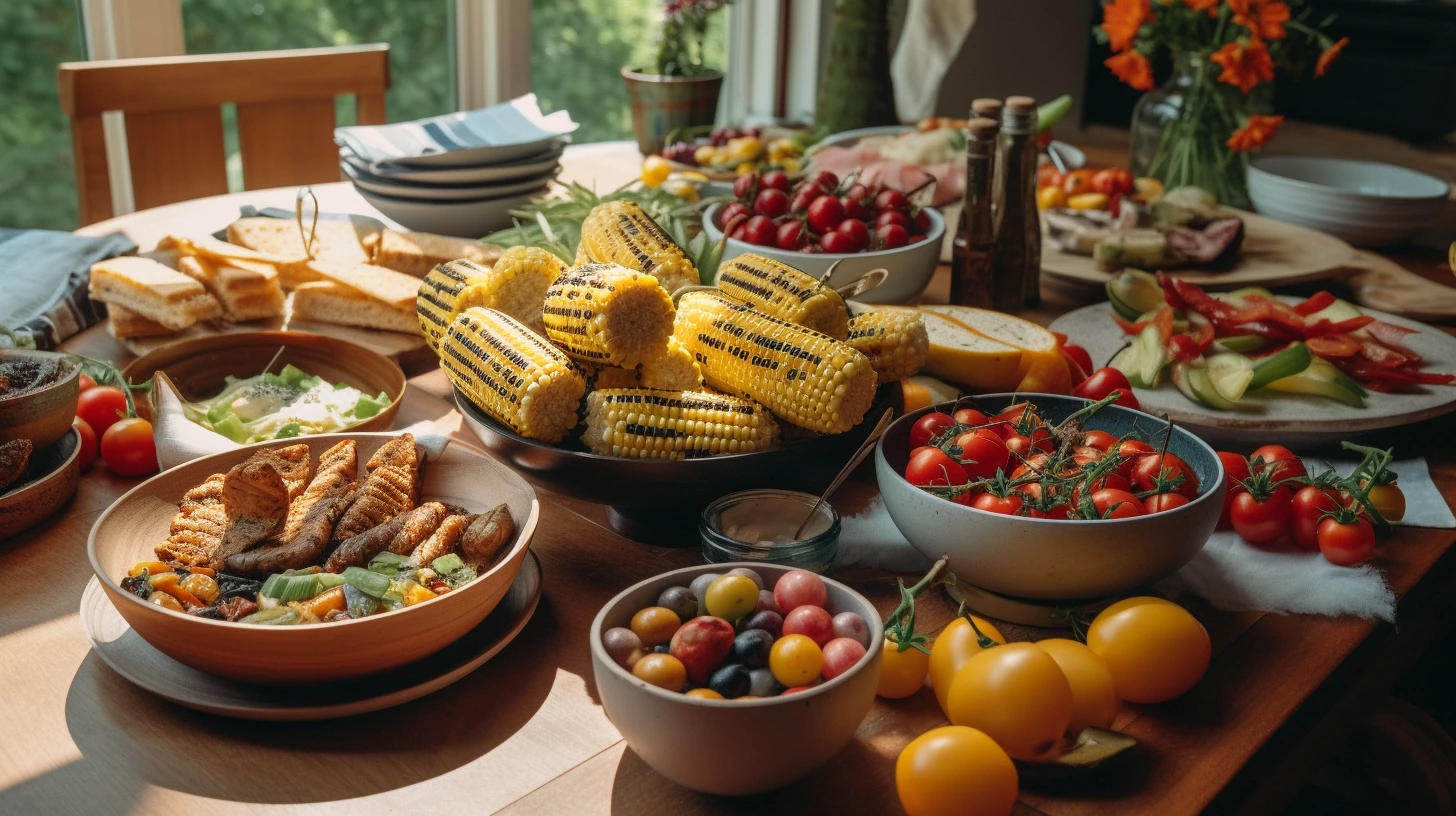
pixel 1180 129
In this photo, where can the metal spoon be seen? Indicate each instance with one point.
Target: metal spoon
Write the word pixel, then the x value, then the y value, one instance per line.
pixel 859 455
pixel 864 283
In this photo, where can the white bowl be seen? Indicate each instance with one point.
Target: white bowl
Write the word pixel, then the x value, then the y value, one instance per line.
pixel 733 747
pixel 420 191
pixel 533 165
pixel 1365 203
pixel 465 219
pixel 910 266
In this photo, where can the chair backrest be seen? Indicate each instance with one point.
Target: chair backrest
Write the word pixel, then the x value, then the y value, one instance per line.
pixel 174 133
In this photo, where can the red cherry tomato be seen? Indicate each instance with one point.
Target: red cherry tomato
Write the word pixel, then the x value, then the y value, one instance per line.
pixel 1115 504
pixel 761 231
pixel 1105 381
pixel 743 187
pixel 89 449
pixel 931 466
pixel 735 211
pixel 857 232
pixel 891 236
pixel 838 243
pixel 791 236
pixel 1101 440
pixel 1260 522
pixel 895 217
pixel 1080 356
pixel 983 451
pixel 1167 467
pixel 1009 505
pixel 1286 465
pixel 919 224
pixel 101 407
pixel 1163 502
pixel 774 180
pixel 891 200
pixel 970 416
pixel 128 448
pixel 771 202
pixel 825 213
pixel 855 208
pixel 1347 544
pixel 1306 513
pixel 1113 181
pixel 928 427
pixel 86 383
pixel 1235 471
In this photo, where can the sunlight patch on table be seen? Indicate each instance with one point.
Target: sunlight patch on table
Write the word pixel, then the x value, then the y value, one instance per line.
pixel 40 660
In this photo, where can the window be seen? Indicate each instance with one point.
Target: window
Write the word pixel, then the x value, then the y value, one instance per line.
pixel 37 174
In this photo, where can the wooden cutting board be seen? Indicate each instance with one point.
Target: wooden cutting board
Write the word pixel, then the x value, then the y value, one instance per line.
pixel 1274 254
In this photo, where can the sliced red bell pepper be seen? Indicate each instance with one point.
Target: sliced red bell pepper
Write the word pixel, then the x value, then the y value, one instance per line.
pixel 1314 303
pixel 1268 331
pixel 1333 346
pixel 1127 326
pixel 1323 327
pixel 1182 348
pixel 1373 376
pixel 1393 337
pixel 1381 355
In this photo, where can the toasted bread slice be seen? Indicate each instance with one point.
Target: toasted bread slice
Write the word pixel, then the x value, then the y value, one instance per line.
pixel 351 241
pixel 153 291
pixel 329 302
pixel 166 257
pixel 415 253
pixel 393 289
pixel 126 324
pixel 247 290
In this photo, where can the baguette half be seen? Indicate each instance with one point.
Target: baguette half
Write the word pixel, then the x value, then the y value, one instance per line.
pixel 153 291
pixel 330 302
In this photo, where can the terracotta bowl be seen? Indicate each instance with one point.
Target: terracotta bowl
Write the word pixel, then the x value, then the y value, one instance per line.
pixel 198 366
pixel 43 415
pixel 321 652
pixel 1050 559
pixel 728 746
pixel 49 482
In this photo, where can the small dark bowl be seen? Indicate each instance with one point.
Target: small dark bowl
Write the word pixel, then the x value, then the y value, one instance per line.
pixel 42 415
pixel 662 501
pixel 1054 559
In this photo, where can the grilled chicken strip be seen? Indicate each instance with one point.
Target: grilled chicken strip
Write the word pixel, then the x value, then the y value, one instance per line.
pixel 399 535
pixel 337 466
pixel 391 488
pixel 197 530
pixel 442 541
pixel 309 539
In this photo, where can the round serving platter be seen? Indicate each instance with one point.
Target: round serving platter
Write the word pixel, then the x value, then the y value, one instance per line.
pixel 136 660
pixel 1270 416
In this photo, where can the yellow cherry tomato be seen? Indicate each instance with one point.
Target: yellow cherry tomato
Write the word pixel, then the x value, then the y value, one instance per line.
pixel 1094 694
pixel 655 170
pixel 956 644
pixel 661 670
pixel 1128 603
pixel 795 660
pixel 901 673
pixel 1050 198
pixel 704 155
pixel 681 188
pixel 1156 650
pixel 730 597
pixel 703 694
pixel 955 771
pixel 655 625
pixel 1018 695
pixel 1088 201
pixel 1389 500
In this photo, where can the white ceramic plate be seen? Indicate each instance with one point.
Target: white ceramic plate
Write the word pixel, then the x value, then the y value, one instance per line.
pixel 465 219
pixel 416 191
pixel 533 165
pixel 136 660
pixel 1273 416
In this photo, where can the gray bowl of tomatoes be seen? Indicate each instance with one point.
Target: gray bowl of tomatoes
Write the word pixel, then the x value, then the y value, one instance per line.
pixel 1038 496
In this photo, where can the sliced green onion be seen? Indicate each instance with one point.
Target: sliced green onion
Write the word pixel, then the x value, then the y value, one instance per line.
pixel 388 563
pixel 370 583
pixel 277 616
pixel 447 563
pixel 298 587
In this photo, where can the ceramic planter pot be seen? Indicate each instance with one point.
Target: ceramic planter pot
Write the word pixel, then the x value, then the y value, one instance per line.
pixel 663 104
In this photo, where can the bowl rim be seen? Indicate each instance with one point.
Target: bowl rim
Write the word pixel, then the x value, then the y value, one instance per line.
pixel 357 176
pixel 65 357
pixel 1255 167
pixel 599 652
pixel 457 202
pixel 1206 490
pixel 280 337
pixel 15 493
pixel 524 533
pixel 932 238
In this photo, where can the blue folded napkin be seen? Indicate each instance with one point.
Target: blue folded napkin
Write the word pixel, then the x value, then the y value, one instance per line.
pixel 46 275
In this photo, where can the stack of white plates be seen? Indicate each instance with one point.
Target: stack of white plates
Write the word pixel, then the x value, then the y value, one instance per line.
pixel 459 174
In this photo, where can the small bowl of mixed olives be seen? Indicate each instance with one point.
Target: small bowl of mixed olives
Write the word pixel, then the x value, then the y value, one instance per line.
pixel 778 664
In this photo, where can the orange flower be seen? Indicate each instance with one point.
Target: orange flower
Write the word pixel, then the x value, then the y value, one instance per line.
pixel 1133 68
pixel 1121 19
pixel 1265 18
pixel 1244 64
pixel 1329 55
pixel 1210 6
pixel 1255 134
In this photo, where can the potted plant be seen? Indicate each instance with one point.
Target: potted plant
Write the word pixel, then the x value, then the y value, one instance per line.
pixel 681 92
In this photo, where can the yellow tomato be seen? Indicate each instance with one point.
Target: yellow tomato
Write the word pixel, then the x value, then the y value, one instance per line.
pixel 1094 694
pixel 955 771
pixel 661 670
pixel 795 660
pixel 1128 603
pixel 1050 198
pixel 655 170
pixel 703 694
pixel 655 625
pixel 705 155
pixel 956 644
pixel 681 188
pixel 1148 189
pixel 1018 695
pixel 1389 500
pixel 901 673
pixel 1155 649
pixel 792 166
pixel 1088 201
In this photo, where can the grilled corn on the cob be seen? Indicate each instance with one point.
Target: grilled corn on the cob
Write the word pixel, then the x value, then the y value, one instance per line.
pixel 786 293
pixel 642 423
pixel 895 341
pixel 515 284
pixel 621 232
pixel 512 374
pixel 608 315
pixel 672 370
pixel 804 377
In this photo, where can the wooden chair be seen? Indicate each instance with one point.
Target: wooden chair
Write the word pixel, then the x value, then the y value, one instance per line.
pixel 174 133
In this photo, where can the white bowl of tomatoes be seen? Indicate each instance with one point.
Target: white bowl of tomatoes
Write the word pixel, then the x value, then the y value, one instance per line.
pixel 1078 513
pixel 819 221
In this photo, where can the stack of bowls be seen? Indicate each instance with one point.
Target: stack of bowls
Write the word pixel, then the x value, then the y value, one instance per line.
pixel 467 193
pixel 1368 204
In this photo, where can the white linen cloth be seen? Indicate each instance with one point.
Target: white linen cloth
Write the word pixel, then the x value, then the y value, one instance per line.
pixel 930 39
pixel 1228 572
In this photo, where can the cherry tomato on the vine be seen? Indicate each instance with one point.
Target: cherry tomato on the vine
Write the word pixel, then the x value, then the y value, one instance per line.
pixel 1347 544
pixel 1235 471
pixel 128 447
pixel 929 427
pixel 1261 522
pixel 101 407
pixel 1306 510
pixel 933 466
pixel 1283 461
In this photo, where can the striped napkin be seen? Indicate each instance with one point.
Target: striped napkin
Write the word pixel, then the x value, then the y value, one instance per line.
pixel 49 299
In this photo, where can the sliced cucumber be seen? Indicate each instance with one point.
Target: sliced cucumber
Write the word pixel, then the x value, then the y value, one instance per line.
pixel 1138 291
pixel 1230 374
pixel 1143 360
pixel 1336 312
pixel 1192 380
pixel 1322 379
pixel 1283 363
pixel 1239 342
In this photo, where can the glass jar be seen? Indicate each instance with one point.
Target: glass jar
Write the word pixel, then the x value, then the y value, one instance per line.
pixel 770 517
pixel 1179 131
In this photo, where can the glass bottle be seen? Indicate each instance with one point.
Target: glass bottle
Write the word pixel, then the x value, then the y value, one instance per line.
pixel 973 247
pixel 989 108
pixel 1018 227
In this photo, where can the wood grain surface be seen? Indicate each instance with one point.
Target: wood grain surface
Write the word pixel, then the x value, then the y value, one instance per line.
pixel 525 734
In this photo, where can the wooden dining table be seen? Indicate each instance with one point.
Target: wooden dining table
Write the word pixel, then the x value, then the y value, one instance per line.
pixel 526 734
